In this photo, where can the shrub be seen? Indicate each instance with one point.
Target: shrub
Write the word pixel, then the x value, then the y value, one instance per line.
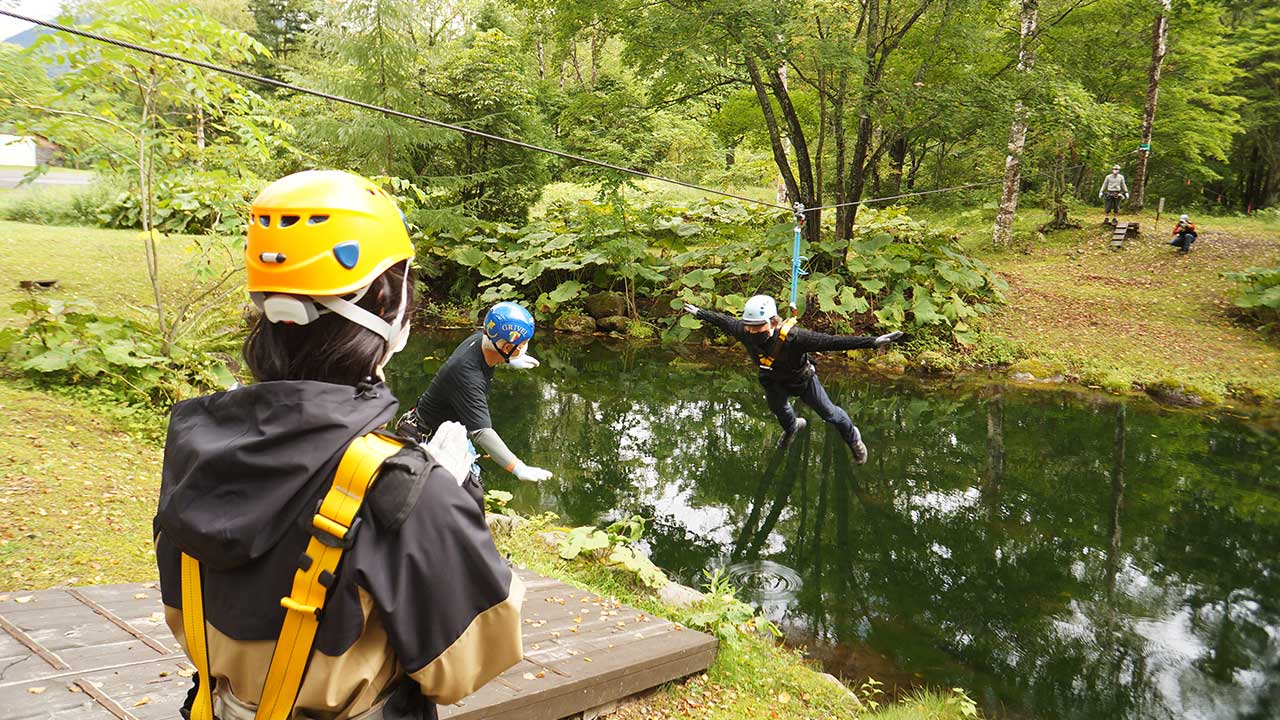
pixel 68 345
pixel 1259 298
pixel 56 205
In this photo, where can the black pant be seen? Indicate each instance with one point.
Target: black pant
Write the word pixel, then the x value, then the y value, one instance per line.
pixel 812 394
pixel 1112 203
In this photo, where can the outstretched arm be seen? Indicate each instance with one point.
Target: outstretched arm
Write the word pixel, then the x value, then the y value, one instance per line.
pixel 811 341
pixel 730 326
pixel 488 440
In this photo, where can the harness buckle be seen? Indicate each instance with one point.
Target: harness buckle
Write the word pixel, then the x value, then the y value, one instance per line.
pixel 330 533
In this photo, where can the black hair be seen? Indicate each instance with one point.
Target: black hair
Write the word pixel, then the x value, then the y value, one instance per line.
pixel 330 349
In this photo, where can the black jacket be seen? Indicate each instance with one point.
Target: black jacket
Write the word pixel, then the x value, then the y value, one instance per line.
pixel 243 473
pixel 791 362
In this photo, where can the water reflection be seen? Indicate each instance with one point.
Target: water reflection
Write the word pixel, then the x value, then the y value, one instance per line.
pixel 1060 558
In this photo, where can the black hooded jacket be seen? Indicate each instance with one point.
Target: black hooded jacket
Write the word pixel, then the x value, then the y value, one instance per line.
pixel 244 471
pixel 792 365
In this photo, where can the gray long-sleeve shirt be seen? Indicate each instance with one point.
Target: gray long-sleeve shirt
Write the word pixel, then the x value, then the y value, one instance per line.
pixel 1113 183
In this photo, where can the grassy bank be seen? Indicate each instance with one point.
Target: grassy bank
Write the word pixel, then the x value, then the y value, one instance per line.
pixel 1132 318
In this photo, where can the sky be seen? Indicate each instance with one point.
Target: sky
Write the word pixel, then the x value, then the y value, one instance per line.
pixel 43 9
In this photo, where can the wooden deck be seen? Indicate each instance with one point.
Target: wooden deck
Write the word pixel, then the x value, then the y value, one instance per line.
pixel 105 651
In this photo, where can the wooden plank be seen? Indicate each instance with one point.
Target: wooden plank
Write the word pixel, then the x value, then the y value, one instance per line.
pixel 118 622
pixel 16 633
pixel 582 651
pixel 110 705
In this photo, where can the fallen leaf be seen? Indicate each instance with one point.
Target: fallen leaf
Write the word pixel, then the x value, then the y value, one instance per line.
pixel 37 690
pixel 142 702
pixel 528 676
pixel 23 599
pixel 140 596
pixel 586 659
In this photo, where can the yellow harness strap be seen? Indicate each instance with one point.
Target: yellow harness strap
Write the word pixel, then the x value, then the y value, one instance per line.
pixel 193 627
pixel 766 361
pixel 332 529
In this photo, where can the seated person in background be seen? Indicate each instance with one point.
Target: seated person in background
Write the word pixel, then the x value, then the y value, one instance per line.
pixel 1184 233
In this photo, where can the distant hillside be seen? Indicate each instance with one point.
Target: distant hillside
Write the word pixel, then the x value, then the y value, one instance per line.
pixel 28 36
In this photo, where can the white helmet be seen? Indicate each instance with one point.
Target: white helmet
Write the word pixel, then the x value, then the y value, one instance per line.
pixel 759 310
pixel 1184 217
pixel 1115 168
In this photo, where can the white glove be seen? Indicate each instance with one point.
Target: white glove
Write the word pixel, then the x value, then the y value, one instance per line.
pixel 528 473
pixel 450 448
pixel 887 338
pixel 692 309
pixel 524 361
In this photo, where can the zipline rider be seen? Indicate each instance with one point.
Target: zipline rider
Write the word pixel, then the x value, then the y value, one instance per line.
pixel 312 565
pixel 781 350
pixel 459 392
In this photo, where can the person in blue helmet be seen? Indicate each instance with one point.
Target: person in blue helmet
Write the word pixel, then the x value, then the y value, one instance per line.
pixel 781 351
pixel 459 392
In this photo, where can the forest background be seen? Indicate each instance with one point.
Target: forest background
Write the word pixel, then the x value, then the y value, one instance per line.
pixel 1023 105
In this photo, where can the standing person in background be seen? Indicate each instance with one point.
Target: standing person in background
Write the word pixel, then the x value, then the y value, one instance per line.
pixel 781 351
pixel 312 565
pixel 1113 191
pixel 1184 233
pixel 459 392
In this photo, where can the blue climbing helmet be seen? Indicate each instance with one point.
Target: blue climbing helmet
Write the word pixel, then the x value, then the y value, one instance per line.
pixel 510 322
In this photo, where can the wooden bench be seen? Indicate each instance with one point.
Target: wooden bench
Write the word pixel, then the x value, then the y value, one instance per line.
pixel 1123 231
pixel 105 651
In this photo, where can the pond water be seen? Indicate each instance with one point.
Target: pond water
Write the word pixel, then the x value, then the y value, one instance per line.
pixel 1056 555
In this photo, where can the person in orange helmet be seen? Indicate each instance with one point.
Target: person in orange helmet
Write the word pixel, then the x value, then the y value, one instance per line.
pixel 311 563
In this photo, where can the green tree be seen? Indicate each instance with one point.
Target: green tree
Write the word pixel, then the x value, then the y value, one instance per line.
pixel 153 119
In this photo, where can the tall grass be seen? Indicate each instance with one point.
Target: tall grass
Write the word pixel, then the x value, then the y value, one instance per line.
pixel 57 204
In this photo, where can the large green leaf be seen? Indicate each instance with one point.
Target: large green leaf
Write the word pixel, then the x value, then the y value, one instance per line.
pixel 566 291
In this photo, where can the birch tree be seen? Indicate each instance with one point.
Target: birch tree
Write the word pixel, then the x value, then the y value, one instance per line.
pixel 1159 35
pixel 1029 17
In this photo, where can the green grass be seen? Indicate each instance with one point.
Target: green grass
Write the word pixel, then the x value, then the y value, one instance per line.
pixel 106 267
pixel 1137 315
pixel 76 495
pixel 752 677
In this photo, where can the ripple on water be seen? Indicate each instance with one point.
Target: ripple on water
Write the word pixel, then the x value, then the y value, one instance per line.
pixel 764 580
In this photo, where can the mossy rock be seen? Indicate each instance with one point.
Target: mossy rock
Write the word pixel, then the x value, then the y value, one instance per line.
pixel 613 323
pixel 892 362
pixel 1249 394
pixel 1033 370
pixel 1179 393
pixel 934 361
pixel 605 304
pixel 575 323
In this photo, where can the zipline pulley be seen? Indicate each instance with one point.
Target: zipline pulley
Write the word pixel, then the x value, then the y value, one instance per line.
pixel 796 257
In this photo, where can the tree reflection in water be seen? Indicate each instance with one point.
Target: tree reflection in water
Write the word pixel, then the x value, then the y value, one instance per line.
pixel 1059 556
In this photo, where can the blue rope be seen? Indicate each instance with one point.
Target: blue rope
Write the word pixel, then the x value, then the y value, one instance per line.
pixel 797 258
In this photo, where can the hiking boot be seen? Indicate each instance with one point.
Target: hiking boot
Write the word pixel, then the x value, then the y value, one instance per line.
pixel 786 438
pixel 855 444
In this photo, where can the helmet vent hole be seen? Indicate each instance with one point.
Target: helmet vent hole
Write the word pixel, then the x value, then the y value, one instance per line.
pixel 264 220
pixel 288 220
pixel 317 219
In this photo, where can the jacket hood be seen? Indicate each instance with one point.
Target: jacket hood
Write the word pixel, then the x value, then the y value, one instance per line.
pixel 241 467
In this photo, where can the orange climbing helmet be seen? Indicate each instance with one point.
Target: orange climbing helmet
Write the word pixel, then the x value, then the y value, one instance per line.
pixel 322 232
pixel 317 241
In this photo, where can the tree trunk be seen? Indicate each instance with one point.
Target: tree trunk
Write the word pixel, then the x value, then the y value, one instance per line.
pixel 1159 33
pixel 857 165
pixel 771 123
pixel 897 159
pixel 1003 232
